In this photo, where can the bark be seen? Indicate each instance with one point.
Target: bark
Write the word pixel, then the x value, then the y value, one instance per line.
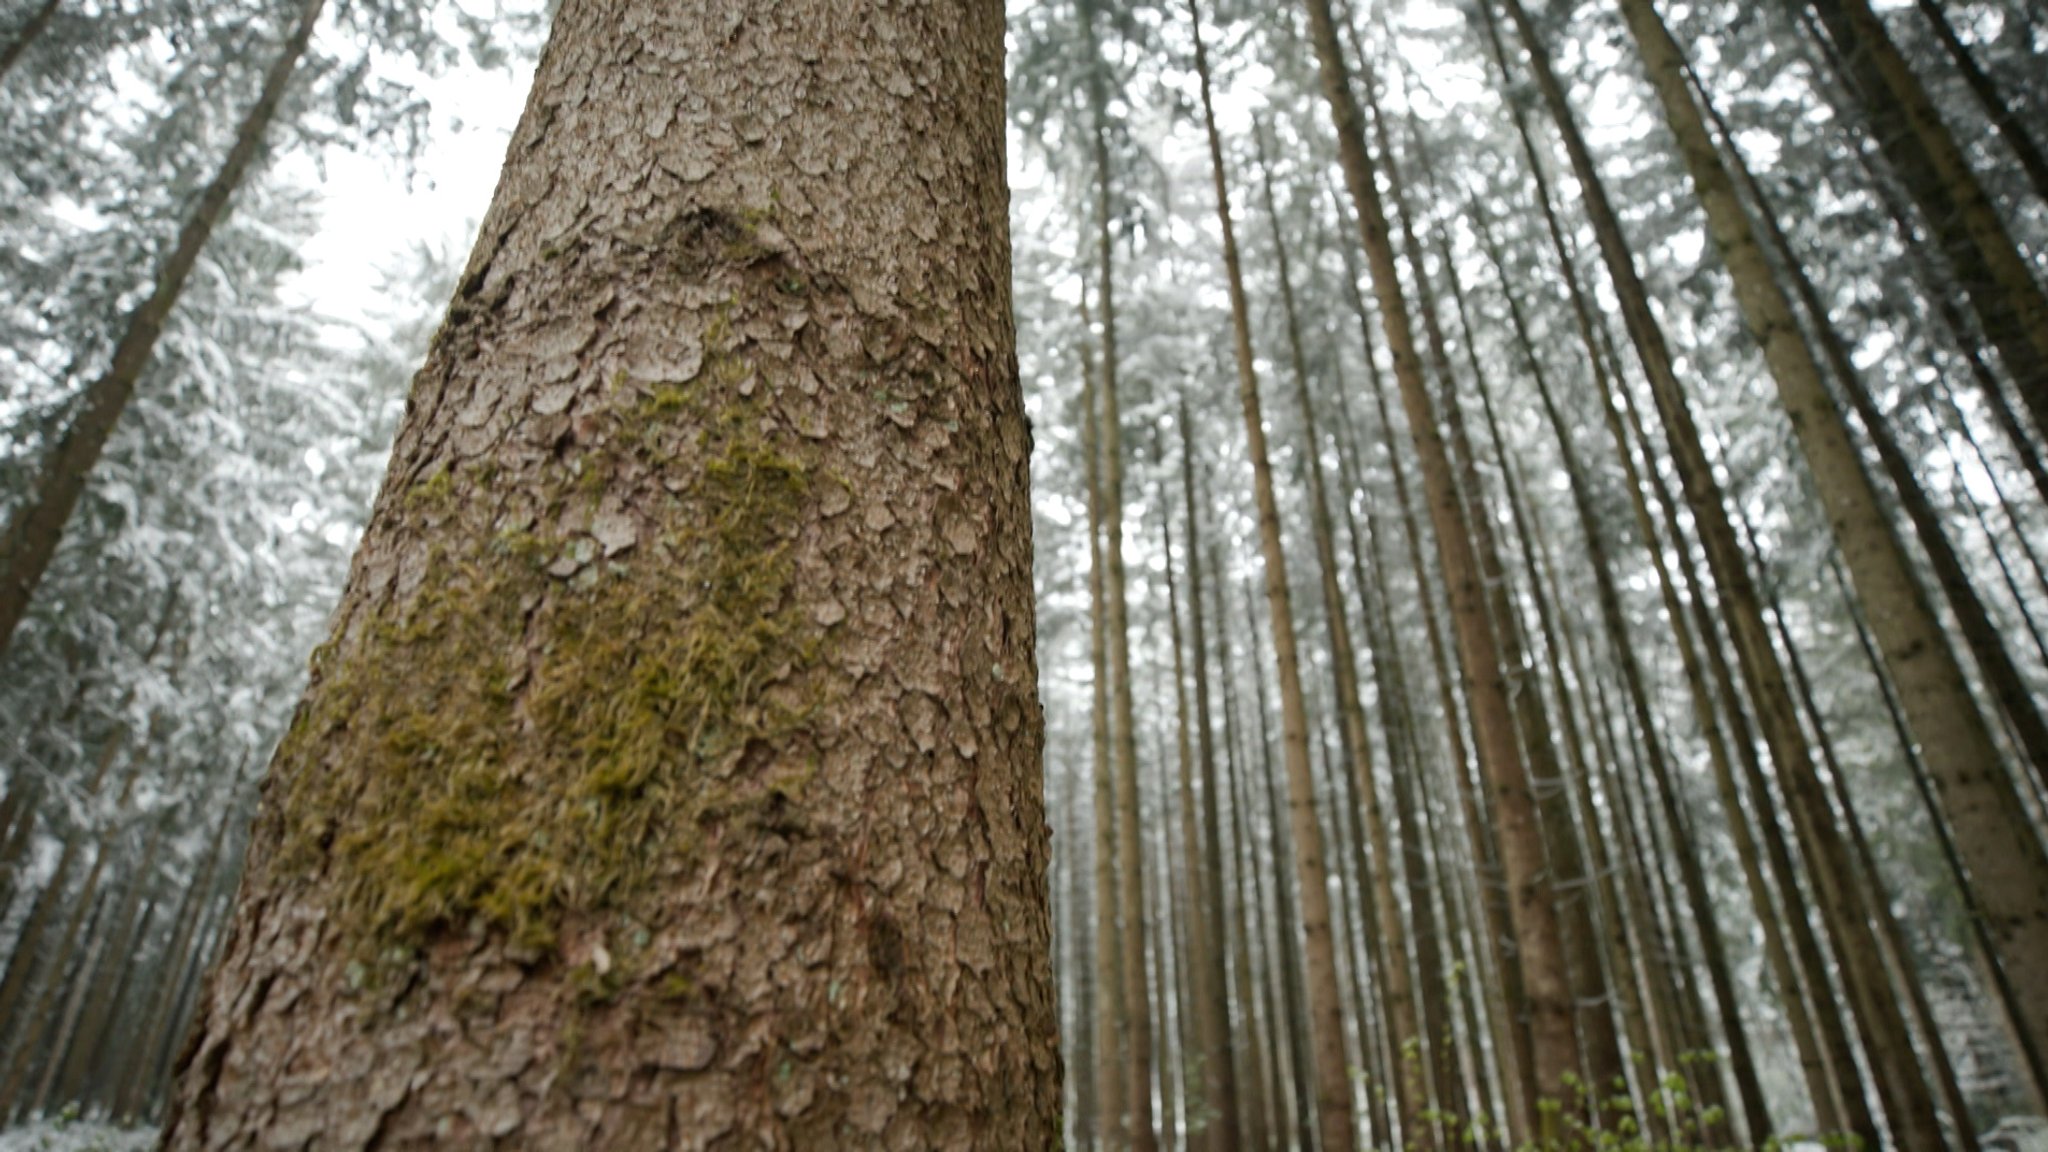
pixel 672 777
pixel 1553 1032
pixel 1334 1118
pixel 2008 864
pixel 1926 158
pixel 36 528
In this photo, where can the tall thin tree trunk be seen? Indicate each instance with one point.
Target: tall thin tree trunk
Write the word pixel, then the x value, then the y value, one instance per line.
pixel 33 532
pixel 1219 1073
pixel 2009 866
pixel 1997 106
pixel 1139 1132
pixel 1553 1031
pixel 1111 1020
pixel 1334 1114
pixel 1926 158
pixel 31 30
pixel 1397 994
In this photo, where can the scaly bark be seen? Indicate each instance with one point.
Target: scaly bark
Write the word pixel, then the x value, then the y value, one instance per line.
pixel 672 778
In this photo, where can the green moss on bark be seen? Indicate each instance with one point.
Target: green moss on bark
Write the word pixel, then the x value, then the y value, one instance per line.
pixel 511 745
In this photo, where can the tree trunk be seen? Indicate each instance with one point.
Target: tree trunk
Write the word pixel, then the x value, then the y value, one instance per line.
pixel 1334 1115
pixel 35 529
pixel 1396 988
pixel 1904 1093
pixel 1926 158
pixel 1506 1013
pixel 672 778
pixel 1997 108
pixel 1109 1023
pixel 1554 1035
pixel 2009 866
pixel 31 29
pixel 1219 1074
pixel 1137 1004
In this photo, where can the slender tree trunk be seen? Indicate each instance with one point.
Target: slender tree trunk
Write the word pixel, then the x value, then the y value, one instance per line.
pixel 1898 957
pixel 2002 677
pixel 2009 866
pixel 1219 1073
pixel 1554 1036
pixel 1390 937
pixel 1511 1037
pixel 1139 1131
pixel 38 22
pixel 1252 984
pixel 1405 768
pixel 1905 1093
pixel 32 534
pixel 1296 1027
pixel 1110 1021
pixel 700 802
pixel 1997 107
pixel 1599 1040
pixel 1928 161
pixel 1334 1114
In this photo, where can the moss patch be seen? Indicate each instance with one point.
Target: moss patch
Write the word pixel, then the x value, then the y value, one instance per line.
pixel 510 745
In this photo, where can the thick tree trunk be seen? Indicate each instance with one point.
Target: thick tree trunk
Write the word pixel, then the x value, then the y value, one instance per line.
pixel 672 778
pixel 1554 1035
pixel 32 534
